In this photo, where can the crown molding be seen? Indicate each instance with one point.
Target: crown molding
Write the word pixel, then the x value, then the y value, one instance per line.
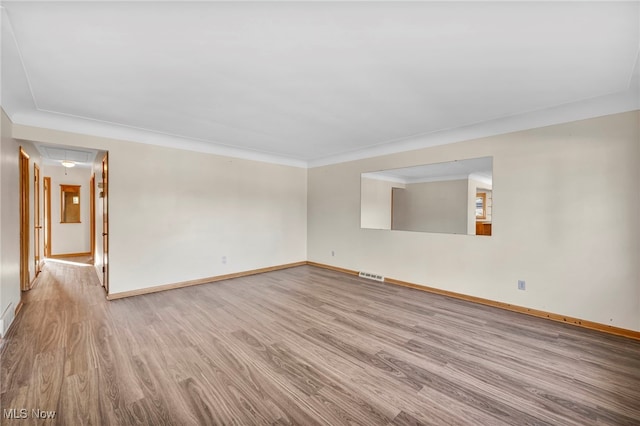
pixel 615 103
pixel 590 108
pixel 19 103
pixel 72 124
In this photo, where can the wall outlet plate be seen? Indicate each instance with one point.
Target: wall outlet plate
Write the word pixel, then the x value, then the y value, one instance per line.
pixel 521 285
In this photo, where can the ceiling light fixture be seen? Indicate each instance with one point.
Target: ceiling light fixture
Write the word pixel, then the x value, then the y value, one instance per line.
pixel 68 163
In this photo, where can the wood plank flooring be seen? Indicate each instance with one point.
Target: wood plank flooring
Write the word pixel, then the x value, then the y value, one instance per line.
pixel 303 346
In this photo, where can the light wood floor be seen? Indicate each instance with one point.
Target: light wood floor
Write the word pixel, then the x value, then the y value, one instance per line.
pixel 74 259
pixel 304 346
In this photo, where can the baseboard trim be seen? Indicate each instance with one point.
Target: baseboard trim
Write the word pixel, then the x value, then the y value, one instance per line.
pixel 332 268
pixel 155 289
pixel 58 256
pixel 20 305
pixel 632 334
pixel 4 327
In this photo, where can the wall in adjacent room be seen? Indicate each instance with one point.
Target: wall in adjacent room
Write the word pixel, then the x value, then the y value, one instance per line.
pixel 432 207
pixel 376 202
pixel 69 238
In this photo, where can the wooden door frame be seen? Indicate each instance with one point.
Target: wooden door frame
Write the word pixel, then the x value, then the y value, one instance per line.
pixel 391 226
pixel 105 221
pixel 92 215
pixel 37 225
pixel 24 219
pixel 47 216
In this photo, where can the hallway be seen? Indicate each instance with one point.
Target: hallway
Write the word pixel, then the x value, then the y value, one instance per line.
pixel 44 357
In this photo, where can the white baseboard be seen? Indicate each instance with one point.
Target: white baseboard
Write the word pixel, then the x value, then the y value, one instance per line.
pixel 6 319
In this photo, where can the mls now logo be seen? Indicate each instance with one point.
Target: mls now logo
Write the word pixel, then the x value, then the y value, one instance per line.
pixel 15 413
pixel 23 413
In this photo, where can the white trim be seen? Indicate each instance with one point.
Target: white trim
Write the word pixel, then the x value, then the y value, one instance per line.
pixel 72 124
pixel 612 103
pixel 595 107
pixel 590 108
pixel 437 179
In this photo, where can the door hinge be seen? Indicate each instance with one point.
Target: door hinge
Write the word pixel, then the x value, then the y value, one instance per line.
pixel 104 269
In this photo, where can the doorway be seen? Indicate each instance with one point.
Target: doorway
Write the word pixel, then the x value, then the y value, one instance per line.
pixel 105 221
pixel 24 220
pixel 41 197
pixel 47 216
pixel 36 219
pixel 92 216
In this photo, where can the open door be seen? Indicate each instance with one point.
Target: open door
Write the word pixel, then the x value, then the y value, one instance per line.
pixel 37 233
pixel 24 220
pixel 105 222
pixel 47 216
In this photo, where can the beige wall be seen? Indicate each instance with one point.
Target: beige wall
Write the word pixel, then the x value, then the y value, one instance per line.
pixel 10 217
pixel 432 207
pixel 375 210
pixel 174 213
pixel 9 222
pixel 69 237
pixel 566 222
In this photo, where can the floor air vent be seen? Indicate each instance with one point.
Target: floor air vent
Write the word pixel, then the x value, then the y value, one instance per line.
pixel 371 276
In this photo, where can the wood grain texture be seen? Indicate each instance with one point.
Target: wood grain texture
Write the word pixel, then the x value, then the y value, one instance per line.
pixel 19 307
pixel 66 255
pixel 632 334
pixel 199 281
pixel 305 346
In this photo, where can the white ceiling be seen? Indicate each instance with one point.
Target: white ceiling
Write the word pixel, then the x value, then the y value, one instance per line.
pixel 53 155
pixel 311 83
pixel 477 168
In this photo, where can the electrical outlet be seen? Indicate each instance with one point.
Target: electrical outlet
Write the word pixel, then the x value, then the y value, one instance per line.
pixel 521 285
pixel 224 260
pixel 333 253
